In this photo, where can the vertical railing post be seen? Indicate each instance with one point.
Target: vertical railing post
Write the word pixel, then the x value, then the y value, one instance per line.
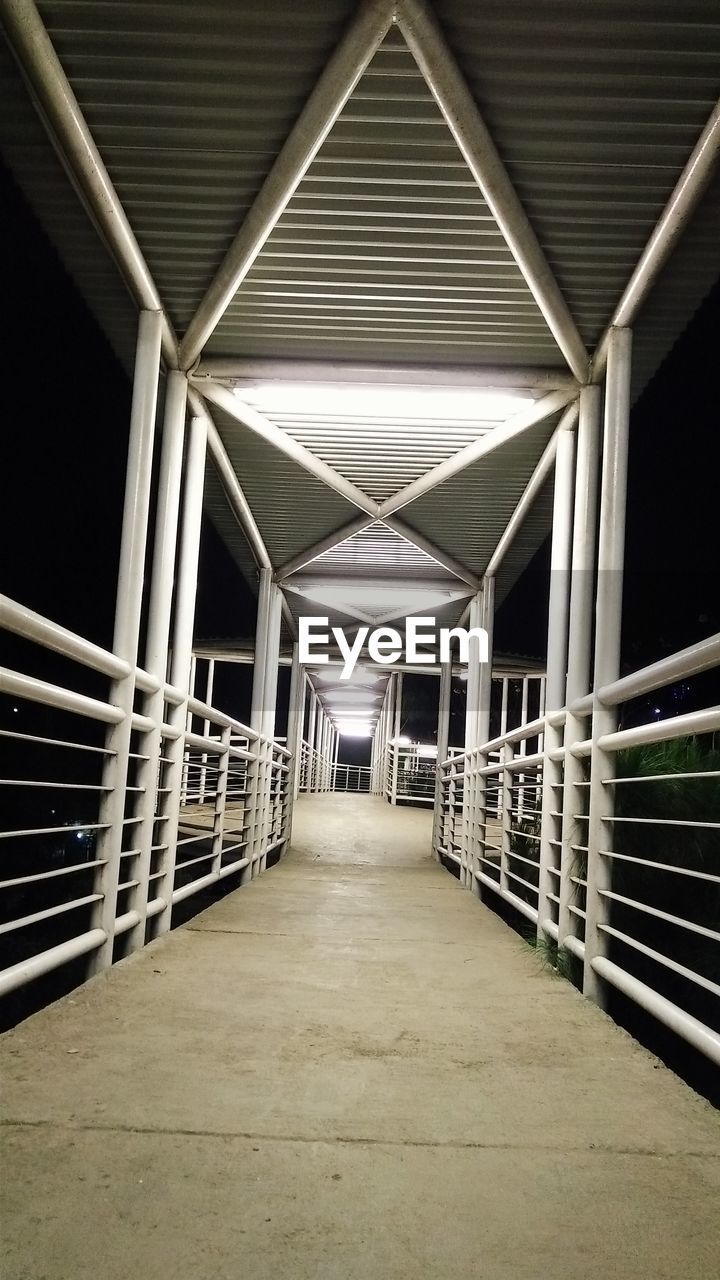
pixel 188 727
pixel 486 620
pixel 557 647
pixel 266 779
pixel 506 797
pixel 608 633
pixel 294 727
pixel 206 726
pixel 223 768
pixel 158 635
pixel 523 747
pixel 256 771
pixel 443 738
pixel 111 816
pixel 319 730
pixel 473 694
pixel 184 618
pixel 310 771
pixel 582 601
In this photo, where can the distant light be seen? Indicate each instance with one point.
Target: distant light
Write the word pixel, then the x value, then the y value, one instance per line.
pixel 657 711
pixel 360 676
pixel 16 709
pixel 388 403
pixel 354 728
pixel 401 741
pixel 79 835
pixel 377 599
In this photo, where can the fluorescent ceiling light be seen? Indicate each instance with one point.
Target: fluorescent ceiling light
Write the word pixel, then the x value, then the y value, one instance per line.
pixel 354 728
pixel 340 710
pixel 360 676
pixel 387 403
pixel 342 694
pixel 378 599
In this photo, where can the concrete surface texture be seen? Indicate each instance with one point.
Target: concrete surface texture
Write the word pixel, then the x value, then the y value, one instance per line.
pixel 348 1070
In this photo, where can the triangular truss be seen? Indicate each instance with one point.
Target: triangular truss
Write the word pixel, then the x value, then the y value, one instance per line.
pixel 394 471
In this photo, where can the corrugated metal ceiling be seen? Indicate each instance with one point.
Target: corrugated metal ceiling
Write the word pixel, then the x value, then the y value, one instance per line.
pixel 388 248
pixel 378 552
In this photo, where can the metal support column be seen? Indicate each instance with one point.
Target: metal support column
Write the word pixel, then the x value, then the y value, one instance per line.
pixel 261 647
pixel 185 595
pixel 582 600
pixel 397 725
pixel 156 647
pixel 443 738
pixel 608 629
pixel 312 719
pixel 128 609
pixel 557 642
pixel 487 622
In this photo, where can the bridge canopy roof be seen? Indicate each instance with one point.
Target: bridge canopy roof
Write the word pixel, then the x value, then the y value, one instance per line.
pixel 389 240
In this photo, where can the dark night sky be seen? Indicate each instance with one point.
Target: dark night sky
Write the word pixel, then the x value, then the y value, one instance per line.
pixel 64 458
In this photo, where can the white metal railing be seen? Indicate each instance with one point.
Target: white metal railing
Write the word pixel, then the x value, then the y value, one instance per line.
pixel 217 804
pixel 321 773
pixel 639 906
pixel 316 769
pixel 351 777
pixel 409 774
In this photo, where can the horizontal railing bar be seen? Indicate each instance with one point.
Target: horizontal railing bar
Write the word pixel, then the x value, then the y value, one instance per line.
pixel 679 666
pixel 512 875
pixel 694 723
pixel 523 907
pixel 52 695
pixel 70 786
pixel 21 621
pixel 24 922
pixel 19 975
pixel 666 822
pixel 55 742
pixel 664 777
pixel 682 1023
pixel 661 866
pixel 664 960
pixel 52 875
pixel 575 945
pixel 51 831
pixel 646 909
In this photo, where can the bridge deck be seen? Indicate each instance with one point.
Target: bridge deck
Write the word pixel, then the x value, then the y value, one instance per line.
pixel 348 1070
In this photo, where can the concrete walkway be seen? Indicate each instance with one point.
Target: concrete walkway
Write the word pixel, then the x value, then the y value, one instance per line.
pixel 348 1070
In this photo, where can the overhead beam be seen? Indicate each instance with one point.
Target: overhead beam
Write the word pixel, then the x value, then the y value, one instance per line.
pixel 292 448
pixel 371 582
pixel 520 378
pixel 236 497
pixel 64 121
pixel 535 484
pixel 288 615
pixel 424 544
pixel 317 549
pixel 339 77
pixel 439 68
pixel 688 191
pixel 492 440
pixel 345 611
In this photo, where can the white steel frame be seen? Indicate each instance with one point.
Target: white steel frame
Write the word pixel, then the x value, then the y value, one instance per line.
pixel 162 733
